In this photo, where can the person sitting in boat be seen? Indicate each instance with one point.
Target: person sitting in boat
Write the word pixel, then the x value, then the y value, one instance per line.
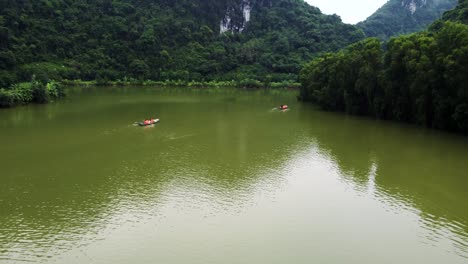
pixel 283 107
pixel 148 121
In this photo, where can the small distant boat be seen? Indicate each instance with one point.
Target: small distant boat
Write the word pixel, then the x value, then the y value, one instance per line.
pixel 149 122
pixel 283 107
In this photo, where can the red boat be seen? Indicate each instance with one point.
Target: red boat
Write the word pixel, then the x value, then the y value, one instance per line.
pixel 149 122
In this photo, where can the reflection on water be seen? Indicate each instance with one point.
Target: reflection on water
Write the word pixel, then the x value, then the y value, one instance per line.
pixel 223 179
pixel 405 167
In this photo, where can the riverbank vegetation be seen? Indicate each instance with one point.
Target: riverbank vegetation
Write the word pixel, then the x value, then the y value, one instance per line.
pixel 246 83
pixel 37 92
pixel 30 92
pixel 420 78
pixel 105 40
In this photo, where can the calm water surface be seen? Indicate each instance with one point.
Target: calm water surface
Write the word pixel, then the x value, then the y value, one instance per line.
pixel 224 178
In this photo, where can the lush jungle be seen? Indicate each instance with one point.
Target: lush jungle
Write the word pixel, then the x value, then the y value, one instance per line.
pixel 420 78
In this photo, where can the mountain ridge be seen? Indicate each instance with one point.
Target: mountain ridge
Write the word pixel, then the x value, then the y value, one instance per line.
pixel 159 40
pixel 398 17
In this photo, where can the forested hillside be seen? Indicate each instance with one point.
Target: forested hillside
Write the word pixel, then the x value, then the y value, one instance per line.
pixel 398 17
pixel 458 14
pixel 420 78
pixel 160 40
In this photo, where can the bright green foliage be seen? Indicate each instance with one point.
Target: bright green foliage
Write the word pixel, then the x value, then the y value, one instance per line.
pixel 420 78
pixel 398 17
pixel 35 91
pixel 54 89
pixel 107 40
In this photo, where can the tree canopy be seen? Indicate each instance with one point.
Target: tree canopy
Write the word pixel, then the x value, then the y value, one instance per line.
pixel 160 40
pixel 398 17
pixel 420 78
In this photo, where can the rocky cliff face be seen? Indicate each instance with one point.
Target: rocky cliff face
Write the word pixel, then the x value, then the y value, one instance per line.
pixel 413 5
pixel 237 16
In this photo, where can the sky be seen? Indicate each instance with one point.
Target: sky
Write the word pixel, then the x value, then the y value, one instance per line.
pixel 350 11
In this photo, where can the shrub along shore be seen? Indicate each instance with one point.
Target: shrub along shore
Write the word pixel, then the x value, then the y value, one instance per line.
pixel 30 92
pixel 41 93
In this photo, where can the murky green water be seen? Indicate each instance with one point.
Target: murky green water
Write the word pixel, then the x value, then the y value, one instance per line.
pixel 225 179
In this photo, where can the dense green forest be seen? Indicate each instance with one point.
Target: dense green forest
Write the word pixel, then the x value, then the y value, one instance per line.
pixel 458 14
pixel 398 17
pixel 419 78
pixel 200 40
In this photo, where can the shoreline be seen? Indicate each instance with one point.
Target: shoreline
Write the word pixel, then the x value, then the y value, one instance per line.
pixel 250 84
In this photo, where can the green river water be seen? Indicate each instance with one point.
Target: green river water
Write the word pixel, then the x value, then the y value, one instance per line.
pixel 224 178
